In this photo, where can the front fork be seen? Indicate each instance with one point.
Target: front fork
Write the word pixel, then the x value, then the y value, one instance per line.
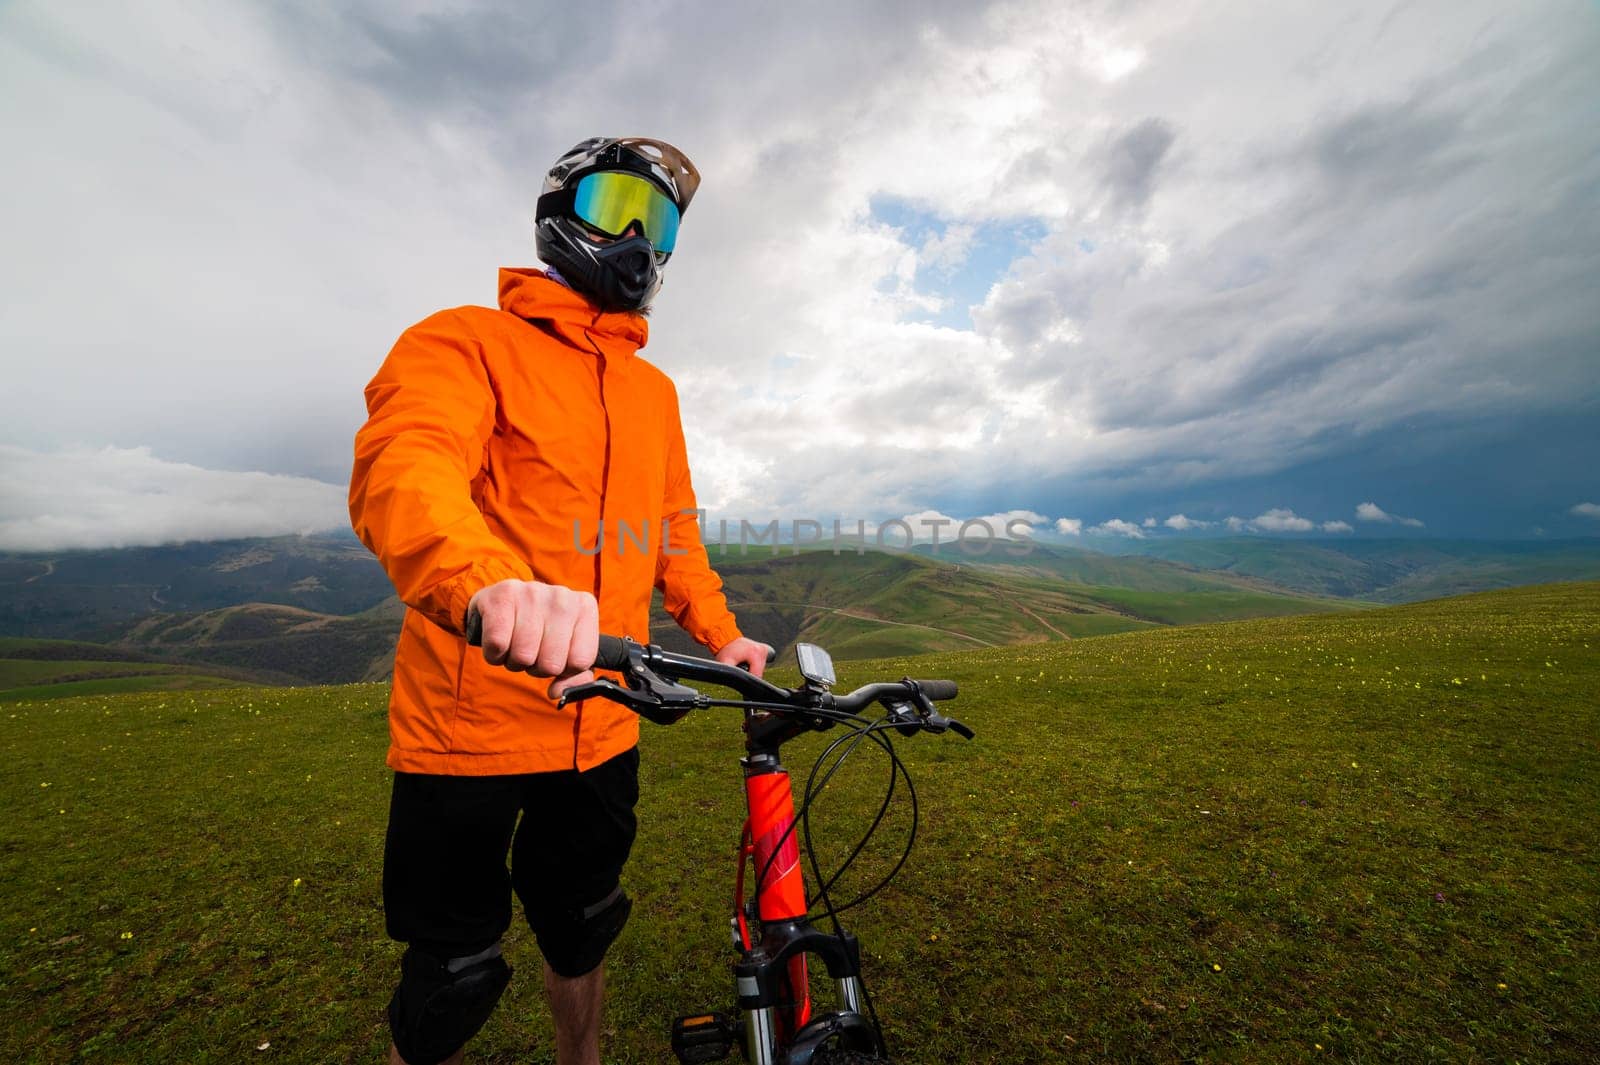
pixel 771 975
pixel 762 994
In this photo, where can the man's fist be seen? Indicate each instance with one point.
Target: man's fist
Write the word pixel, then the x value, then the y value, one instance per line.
pixel 545 629
pixel 751 654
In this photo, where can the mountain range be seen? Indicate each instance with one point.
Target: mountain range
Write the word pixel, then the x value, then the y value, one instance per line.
pixel 320 610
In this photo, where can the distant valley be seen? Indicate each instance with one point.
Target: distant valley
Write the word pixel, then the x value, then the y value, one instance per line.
pixel 319 610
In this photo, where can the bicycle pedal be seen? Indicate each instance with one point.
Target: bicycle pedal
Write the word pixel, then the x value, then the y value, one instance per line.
pixel 703 1037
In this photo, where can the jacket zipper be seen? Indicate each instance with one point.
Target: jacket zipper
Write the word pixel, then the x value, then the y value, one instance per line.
pixel 605 483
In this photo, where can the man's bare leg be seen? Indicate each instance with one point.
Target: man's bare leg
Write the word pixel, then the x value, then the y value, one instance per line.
pixel 575 1005
pixel 453 1059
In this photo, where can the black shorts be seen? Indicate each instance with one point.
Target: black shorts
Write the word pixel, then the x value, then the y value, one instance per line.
pixel 446 888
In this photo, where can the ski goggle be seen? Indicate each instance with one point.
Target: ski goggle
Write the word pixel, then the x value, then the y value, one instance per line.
pixel 610 201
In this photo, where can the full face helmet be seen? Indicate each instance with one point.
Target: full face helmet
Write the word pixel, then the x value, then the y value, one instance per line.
pixel 608 217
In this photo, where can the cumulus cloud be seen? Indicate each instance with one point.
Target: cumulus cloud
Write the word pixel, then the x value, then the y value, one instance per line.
pixel 1183 523
pixel 1274 520
pixel 1281 520
pixel 929 526
pixel 1118 527
pixel 127 497
pixel 1216 285
pixel 1587 510
pixel 1371 512
pixel 1375 513
pixel 1069 526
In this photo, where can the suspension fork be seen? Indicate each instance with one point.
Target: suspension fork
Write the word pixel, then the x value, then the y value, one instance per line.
pixel 772 845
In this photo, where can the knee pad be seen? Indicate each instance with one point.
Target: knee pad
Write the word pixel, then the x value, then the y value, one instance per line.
pixel 443 1002
pixel 575 942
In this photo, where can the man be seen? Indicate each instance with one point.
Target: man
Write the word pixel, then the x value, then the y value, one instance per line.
pixel 525 465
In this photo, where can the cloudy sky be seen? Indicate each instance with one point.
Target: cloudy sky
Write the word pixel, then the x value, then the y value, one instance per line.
pixel 1149 269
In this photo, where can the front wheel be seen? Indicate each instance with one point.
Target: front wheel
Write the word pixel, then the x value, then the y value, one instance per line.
pixel 843 1037
pixel 839 1056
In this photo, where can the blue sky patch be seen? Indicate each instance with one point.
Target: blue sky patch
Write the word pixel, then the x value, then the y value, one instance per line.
pixel 995 246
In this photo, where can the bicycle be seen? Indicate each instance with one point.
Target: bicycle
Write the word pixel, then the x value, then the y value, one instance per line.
pixel 773 932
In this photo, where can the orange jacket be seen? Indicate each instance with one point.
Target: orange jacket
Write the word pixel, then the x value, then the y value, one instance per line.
pixel 498 445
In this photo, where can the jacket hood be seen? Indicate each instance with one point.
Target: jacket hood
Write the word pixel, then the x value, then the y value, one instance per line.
pixel 528 293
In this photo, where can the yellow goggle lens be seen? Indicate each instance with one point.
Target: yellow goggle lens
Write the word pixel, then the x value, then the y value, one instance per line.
pixel 611 201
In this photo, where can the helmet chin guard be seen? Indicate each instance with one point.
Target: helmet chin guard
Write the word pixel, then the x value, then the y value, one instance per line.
pixel 619 276
pixel 622 274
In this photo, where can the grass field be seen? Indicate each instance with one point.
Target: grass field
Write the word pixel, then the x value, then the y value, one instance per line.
pixel 1189 608
pixel 1357 837
pixel 42 669
pixel 15 673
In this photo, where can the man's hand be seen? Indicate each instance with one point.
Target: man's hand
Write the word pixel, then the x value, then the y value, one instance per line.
pixel 544 629
pixel 751 654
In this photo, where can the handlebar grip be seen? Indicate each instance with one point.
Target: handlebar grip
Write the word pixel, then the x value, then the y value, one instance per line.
pixel 613 653
pixel 938 690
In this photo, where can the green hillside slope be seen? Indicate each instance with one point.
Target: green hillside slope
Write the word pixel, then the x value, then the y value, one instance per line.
pixel 91 594
pixel 99 594
pixel 297 646
pixel 1080 566
pixel 42 669
pixel 874 604
pixel 257 643
pixel 1383 570
pixel 1356 837
pixel 884 603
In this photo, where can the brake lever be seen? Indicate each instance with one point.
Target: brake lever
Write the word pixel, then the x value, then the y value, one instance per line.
pixel 958 728
pixel 936 722
pixel 599 688
pixel 648 694
pixel 645 704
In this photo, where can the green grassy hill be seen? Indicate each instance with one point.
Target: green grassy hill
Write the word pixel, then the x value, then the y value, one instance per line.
pixel 297 646
pixel 871 605
pixel 1078 565
pixel 94 594
pixel 47 669
pixel 1390 571
pixel 318 610
pixel 257 643
pixel 1353 837
pixel 886 603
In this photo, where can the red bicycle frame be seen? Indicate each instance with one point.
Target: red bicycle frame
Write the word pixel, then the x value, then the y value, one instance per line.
pixel 769 840
pixel 772 933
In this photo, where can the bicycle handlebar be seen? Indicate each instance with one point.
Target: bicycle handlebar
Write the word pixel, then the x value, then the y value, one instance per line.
pixel 614 649
pixel 938 690
pixel 613 653
pixel 662 670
